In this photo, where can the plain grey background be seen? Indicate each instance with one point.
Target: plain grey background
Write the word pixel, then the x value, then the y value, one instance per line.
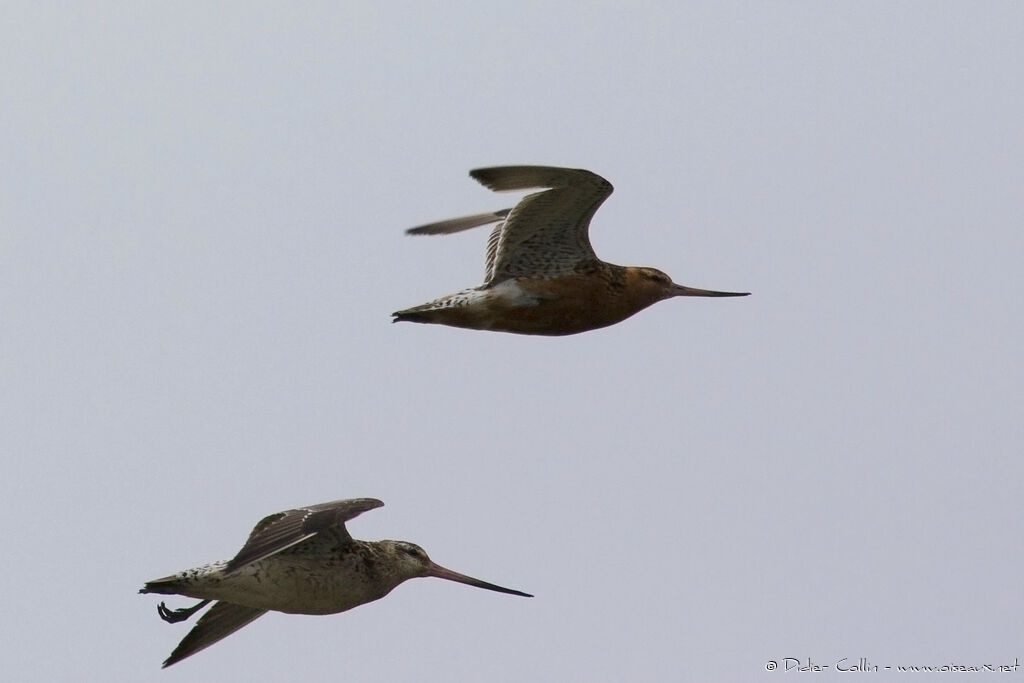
pixel 201 243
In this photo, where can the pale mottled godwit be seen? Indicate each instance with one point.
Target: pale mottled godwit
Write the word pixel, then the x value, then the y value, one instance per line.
pixel 542 276
pixel 299 561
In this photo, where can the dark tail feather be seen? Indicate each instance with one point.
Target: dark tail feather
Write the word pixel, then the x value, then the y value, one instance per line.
pixel 414 315
pixel 168 585
pixel 223 619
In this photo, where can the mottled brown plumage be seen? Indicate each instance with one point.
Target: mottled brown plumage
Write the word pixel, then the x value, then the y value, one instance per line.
pixel 541 275
pixel 300 561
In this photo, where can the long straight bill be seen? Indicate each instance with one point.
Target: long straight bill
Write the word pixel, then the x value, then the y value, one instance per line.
pixel 442 573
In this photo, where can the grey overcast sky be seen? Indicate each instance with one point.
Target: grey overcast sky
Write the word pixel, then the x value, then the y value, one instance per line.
pixel 201 243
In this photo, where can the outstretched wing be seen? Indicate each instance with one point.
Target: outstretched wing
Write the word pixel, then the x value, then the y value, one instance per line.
pixel 465 223
pixel 546 233
pixel 458 224
pixel 223 619
pixel 282 530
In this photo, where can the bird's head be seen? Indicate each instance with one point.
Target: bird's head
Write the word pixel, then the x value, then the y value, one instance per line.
pixel 411 561
pixel 655 285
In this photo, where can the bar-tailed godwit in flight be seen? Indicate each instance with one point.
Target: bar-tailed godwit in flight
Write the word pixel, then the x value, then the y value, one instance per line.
pixel 301 562
pixel 542 276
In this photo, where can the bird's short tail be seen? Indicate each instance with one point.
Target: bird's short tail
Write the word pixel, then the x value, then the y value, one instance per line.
pixel 419 314
pixel 169 585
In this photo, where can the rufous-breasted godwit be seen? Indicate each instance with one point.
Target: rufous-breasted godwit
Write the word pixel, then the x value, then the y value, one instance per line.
pixel 299 561
pixel 542 276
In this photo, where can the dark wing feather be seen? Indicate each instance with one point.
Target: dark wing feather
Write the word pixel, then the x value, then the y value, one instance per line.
pixel 458 224
pixel 492 250
pixel 282 530
pixel 223 619
pixel 546 233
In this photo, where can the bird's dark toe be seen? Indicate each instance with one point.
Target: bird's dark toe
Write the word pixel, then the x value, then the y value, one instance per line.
pixel 173 616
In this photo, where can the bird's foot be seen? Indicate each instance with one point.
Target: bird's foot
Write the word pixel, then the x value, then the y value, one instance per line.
pixel 173 616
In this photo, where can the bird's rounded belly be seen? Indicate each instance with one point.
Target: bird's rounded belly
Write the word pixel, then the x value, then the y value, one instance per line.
pixel 297 588
pixel 556 306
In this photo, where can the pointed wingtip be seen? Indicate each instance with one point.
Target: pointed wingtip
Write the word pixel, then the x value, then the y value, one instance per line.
pixel 459 224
